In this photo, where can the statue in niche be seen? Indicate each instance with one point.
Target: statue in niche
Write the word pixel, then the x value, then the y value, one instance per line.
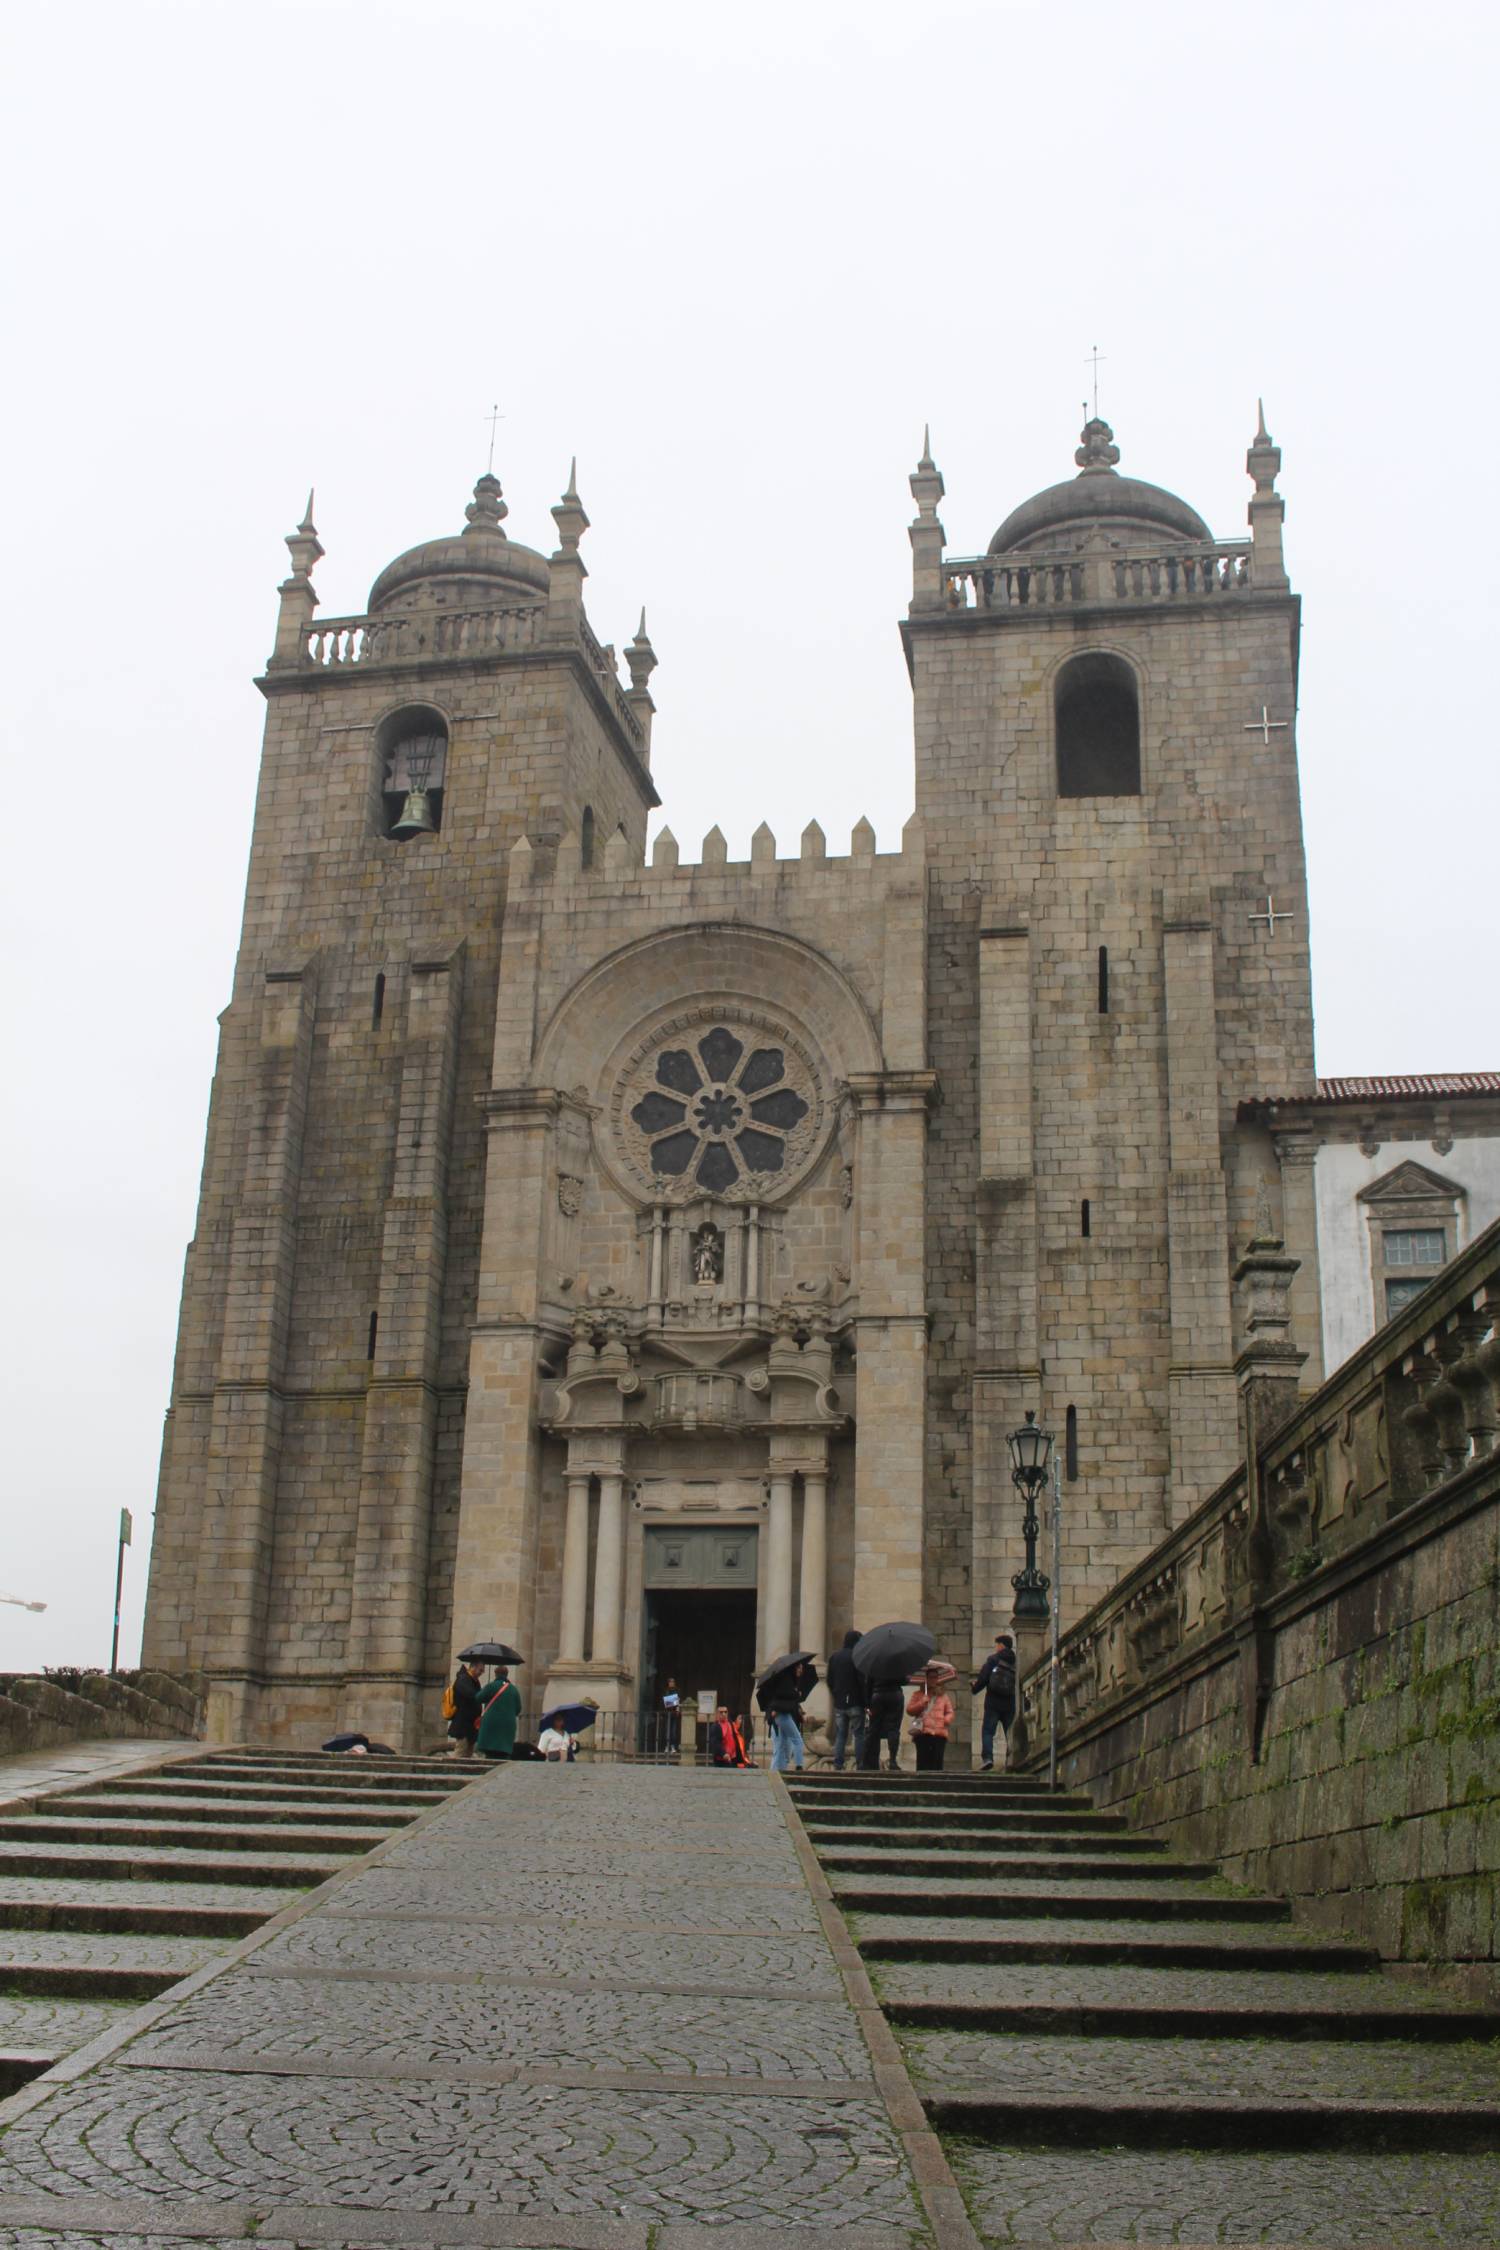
pixel 708 1253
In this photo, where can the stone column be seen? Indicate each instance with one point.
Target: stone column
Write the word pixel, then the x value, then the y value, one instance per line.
pixel 575 1572
pixel 813 1618
pixel 1296 1157
pixel 609 1567
pixel 778 1577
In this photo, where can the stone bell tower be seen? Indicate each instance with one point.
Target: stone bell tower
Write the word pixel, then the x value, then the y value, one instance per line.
pixel 1107 782
pixel 307 1513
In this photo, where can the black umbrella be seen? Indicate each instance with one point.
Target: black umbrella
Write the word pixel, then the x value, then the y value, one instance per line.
pixel 890 1652
pixel 788 1664
pixel 497 1652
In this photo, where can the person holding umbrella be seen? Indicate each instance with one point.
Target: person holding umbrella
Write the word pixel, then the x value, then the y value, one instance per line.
pixel 883 1658
pixel 561 1727
pixel 934 1714
pixel 462 1705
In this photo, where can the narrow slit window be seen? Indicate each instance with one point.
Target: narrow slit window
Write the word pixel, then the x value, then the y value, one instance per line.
pixel 374 1331
pixel 377 1004
pixel 586 838
pixel 1083 1216
pixel 1104 980
pixel 1070 1446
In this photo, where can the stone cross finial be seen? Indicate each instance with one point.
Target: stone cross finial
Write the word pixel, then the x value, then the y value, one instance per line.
pixel 487 508
pixel 1098 450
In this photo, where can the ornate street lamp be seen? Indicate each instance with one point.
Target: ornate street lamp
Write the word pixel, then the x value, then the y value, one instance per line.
pixel 1030 1452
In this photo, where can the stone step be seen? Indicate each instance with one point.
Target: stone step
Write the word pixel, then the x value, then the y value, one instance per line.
pixel 954 1866
pixel 1079 1819
pixel 75 1981
pixel 362 1781
pixel 94 1863
pixel 340 1770
pixel 49 1908
pixel 1080 1834
pixel 1208 2121
pixel 32 2025
pixel 977 1789
pixel 198 1836
pixel 1008 1841
pixel 944 1900
pixel 19 2068
pixel 302 1798
pixel 1302 2015
pixel 1241 1947
pixel 174 1957
pixel 1109 2070
pixel 1189 1995
pixel 152 1804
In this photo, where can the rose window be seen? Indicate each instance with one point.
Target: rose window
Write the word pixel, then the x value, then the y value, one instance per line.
pixel 720 1111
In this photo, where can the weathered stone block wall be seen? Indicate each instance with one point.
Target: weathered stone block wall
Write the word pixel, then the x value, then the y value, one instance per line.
pixel 1375 1804
pixel 1049 1099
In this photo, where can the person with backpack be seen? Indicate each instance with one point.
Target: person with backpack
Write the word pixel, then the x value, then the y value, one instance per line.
pixel 996 1681
pixel 847 1691
pixel 461 1701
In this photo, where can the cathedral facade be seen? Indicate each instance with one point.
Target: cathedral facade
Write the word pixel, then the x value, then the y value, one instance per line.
pixel 645 1263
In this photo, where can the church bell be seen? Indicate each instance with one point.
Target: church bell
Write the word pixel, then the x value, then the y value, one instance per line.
pixel 416 816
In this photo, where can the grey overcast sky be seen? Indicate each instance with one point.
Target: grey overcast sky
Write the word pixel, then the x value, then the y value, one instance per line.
pixel 733 259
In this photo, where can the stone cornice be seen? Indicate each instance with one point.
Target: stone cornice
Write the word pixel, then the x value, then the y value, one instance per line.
pixel 893 1089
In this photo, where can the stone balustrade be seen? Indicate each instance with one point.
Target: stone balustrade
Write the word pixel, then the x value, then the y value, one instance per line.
pixel 1417 1408
pixel 1302 1680
pixel 1033 581
pixel 418 637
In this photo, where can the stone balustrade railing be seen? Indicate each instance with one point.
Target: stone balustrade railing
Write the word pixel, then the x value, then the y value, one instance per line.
pixel 603 661
pixel 1407 1425
pixel 1027 581
pixel 412 637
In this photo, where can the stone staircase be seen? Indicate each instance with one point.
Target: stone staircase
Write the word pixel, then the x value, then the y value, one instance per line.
pixel 114 1890
pixel 1071 1998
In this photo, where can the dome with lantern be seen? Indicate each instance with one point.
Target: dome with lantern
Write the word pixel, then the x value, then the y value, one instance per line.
pixel 1099 501
pixel 473 567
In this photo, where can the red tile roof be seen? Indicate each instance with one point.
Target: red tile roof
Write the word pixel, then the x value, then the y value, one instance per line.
pixel 1438 1083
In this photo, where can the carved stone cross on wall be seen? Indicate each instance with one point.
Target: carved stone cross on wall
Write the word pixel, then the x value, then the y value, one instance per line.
pixel 1271 914
pixel 1265 726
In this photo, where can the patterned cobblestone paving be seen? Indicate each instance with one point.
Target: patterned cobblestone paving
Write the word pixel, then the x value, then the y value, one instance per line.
pixel 1236 2069
pixel 494 2022
pixel 414 2146
pixel 552 1900
pixel 699 1892
pixel 1365 2202
pixel 794 1965
pixel 42 2026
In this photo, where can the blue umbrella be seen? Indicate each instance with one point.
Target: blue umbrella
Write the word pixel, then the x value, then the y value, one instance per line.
pixel 571 1718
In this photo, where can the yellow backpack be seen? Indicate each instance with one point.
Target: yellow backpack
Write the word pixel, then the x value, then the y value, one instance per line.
pixel 450 1702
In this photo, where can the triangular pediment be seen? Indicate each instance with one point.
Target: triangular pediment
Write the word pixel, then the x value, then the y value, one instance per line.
pixel 1410 1183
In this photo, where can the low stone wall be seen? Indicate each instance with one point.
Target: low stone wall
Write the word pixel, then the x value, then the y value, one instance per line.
pixel 41 1711
pixel 1303 1681
pixel 1375 1801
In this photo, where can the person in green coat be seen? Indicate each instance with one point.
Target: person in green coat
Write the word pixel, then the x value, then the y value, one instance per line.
pixel 500 1716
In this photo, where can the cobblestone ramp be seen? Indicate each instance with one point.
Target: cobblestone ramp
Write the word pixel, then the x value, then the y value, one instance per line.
pixel 1116 2047
pixel 121 1873
pixel 579 2009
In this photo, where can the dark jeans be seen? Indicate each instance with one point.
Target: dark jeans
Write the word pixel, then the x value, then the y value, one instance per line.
pixel 930 1748
pixel 995 1715
pixel 849 1720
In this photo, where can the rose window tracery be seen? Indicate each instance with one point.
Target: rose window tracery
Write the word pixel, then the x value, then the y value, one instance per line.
pixel 721 1110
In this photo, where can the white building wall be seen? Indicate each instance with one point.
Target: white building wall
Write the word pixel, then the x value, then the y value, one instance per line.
pixel 1341 1173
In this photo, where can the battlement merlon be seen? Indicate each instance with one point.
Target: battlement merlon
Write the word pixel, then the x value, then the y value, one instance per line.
pixel 536 864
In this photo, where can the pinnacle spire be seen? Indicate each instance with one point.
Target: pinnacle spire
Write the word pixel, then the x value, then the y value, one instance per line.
pixel 1262 434
pixel 307 514
pixel 926 461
